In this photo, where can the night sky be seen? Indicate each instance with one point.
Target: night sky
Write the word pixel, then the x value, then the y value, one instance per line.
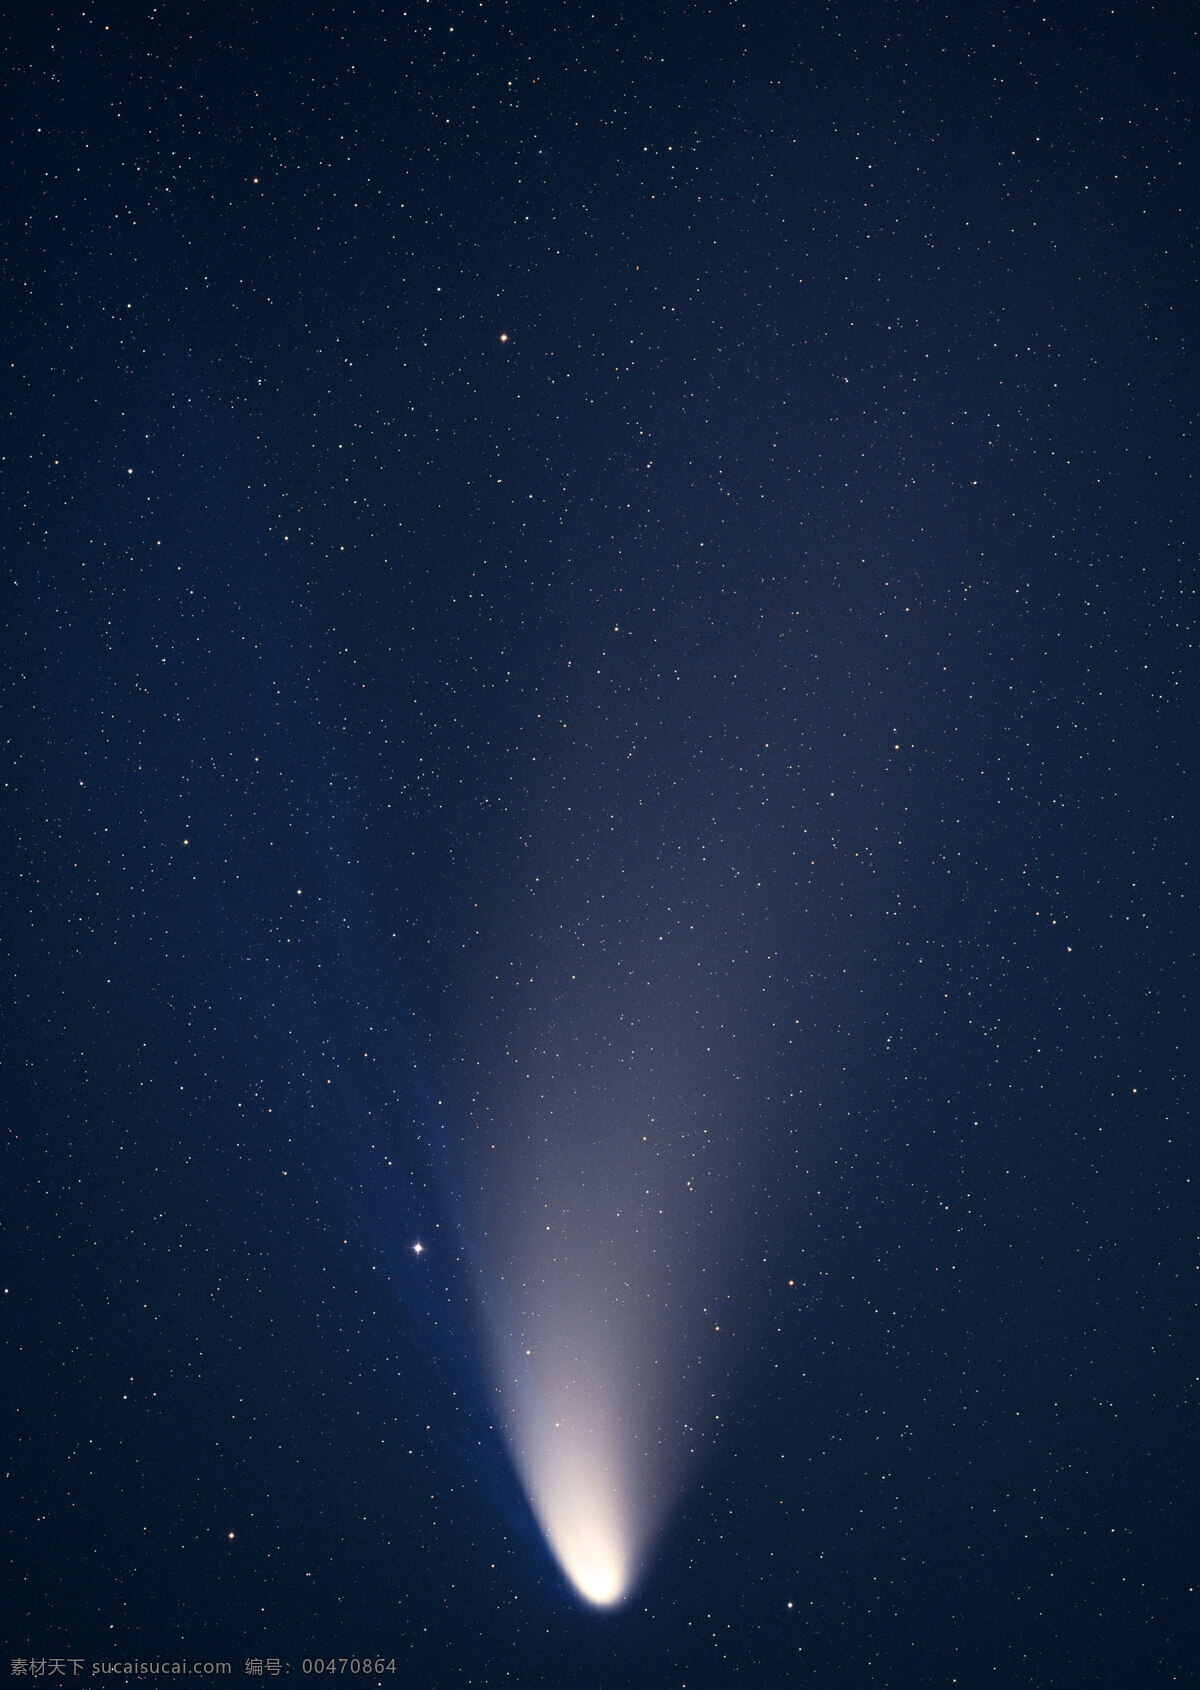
pixel 600 679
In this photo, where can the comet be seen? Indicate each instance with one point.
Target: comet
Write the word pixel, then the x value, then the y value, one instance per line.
pixel 604 1256
pixel 573 1443
pixel 615 1128
pixel 578 1488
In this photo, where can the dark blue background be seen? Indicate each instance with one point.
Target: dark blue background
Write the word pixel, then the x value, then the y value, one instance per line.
pixel 842 443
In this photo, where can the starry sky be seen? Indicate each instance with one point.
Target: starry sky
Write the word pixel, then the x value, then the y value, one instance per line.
pixel 600 678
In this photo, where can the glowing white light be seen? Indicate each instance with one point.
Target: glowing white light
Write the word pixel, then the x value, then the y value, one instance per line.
pixel 596 1300
pixel 571 1394
pixel 588 1548
pixel 574 1486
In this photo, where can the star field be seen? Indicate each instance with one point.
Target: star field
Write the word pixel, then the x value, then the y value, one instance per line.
pixel 600 689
